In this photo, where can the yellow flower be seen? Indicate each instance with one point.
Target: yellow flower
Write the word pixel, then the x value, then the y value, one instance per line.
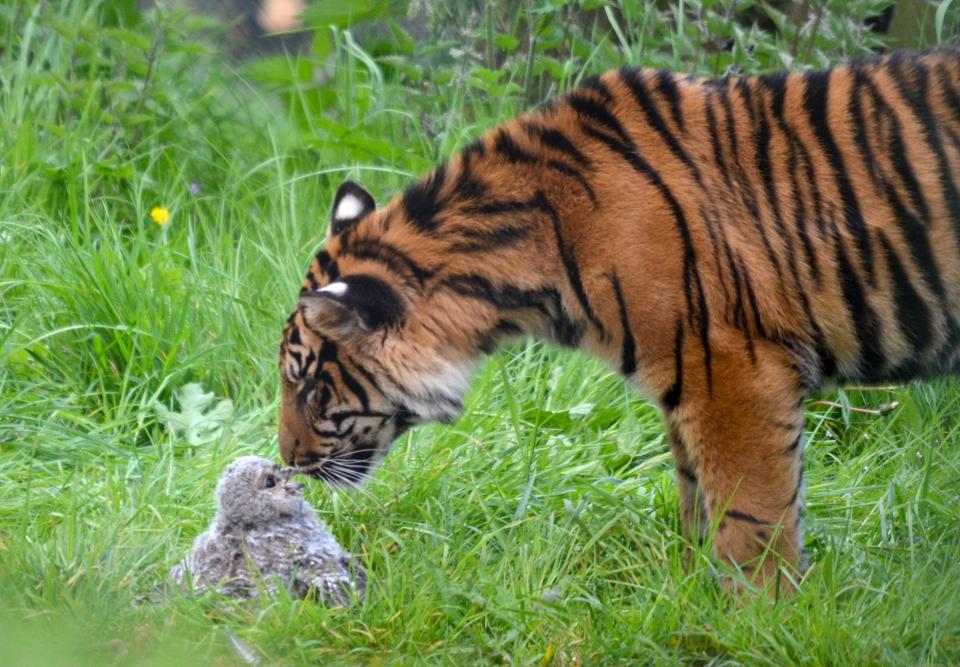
pixel 160 215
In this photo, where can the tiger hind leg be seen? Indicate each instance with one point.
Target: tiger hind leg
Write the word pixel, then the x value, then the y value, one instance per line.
pixel 741 438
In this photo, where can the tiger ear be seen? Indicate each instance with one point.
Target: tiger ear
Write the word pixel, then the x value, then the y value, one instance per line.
pixel 353 305
pixel 350 205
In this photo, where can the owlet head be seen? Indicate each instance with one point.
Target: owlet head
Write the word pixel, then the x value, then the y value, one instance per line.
pixel 254 491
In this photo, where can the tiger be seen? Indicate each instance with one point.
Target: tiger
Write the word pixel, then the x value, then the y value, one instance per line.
pixel 730 245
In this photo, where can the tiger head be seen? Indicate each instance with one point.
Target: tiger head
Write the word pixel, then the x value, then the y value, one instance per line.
pixel 359 363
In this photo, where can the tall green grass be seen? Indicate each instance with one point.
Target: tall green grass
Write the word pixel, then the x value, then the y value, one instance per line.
pixel 540 529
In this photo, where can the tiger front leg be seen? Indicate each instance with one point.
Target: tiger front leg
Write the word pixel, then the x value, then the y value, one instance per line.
pixel 742 437
pixel 694 520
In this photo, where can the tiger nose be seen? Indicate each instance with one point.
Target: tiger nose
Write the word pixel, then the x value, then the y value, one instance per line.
pixel 289 444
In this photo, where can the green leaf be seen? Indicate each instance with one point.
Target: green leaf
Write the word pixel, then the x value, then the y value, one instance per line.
pixel 486 75
pixel 506 42
pixel 120 13
pixel 939 18
pixel 341 13
pixel 322 44
pixel 404 43
pixel 128 37
pixel 201 417
pixel 279 71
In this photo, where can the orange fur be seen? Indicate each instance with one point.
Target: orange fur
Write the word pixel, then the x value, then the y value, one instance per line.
pixel 727 245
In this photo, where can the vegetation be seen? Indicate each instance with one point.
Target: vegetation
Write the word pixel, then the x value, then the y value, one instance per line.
pixel 540 529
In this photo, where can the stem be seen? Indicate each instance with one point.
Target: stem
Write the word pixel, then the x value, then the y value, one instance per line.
pixel 799 20
pixel 882 410
pixel 816 25
pixel 488 20
pixel 531 43
pixel 147 78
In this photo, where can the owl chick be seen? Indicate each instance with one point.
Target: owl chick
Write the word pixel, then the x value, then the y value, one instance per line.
pixel 265 532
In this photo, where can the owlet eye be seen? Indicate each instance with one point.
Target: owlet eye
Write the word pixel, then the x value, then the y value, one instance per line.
pixel 271 482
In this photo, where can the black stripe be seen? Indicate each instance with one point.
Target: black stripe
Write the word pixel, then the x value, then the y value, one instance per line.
pixel 474 150
pixel 634 81
pixel 395 259
pixel 569 262
pixel 800 215
pixel 718 158
pixel 301 368
pixel 466 187
pixel 628 359
pixel 859 126
pixel 813 186
pixel 712 224
pixel 744 516
pixel 765 167
pixel 866 326
pixel 795 151
pixel 761 154
pixel 739 312
pixel 687 474
pixel 486 240
pixel 556 140
pixel 323 260
pixel 752 300
pixel 368 376
pixel 795 445
pixel 674 394
pixel 742 85
pixel 912 312
pixel 950 93
pixel 588 108
pixel 340 416
pixel 745 189
pixel 508 148
pixel 547 301
pixel 777 85
pixel 327 265
pixel 422 200
pixel 294 335
pixel 593 83
pixel 816 92
pixel 739 316
pixel 503 207
pixel 667 86
pixel 479 287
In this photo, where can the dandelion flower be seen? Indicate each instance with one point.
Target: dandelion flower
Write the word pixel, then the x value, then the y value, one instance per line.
pixel 160 215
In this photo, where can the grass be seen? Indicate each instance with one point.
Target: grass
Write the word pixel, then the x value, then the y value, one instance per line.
pixel 542 528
